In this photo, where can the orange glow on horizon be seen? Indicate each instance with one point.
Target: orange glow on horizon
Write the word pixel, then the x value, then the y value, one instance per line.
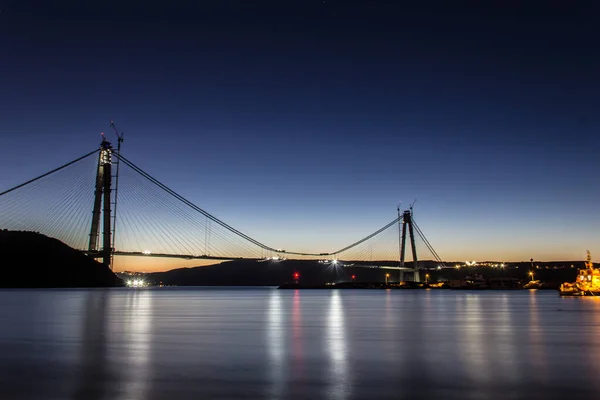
pixel 157 264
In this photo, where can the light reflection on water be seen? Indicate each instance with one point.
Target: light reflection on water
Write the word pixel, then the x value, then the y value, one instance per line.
pixel 275 342
pixel 336 339
pixel 138 335
pixel 190 343
pixel 472 349
pixel 537 347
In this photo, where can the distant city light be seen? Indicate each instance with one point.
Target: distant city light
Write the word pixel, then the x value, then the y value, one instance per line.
pixel 146 252
pixel 136 283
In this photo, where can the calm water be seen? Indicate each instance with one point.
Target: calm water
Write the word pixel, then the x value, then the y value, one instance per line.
pixel 203 343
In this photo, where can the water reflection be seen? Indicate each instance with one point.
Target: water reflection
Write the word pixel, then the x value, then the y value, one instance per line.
pixel 503 341
pixel 536 339
pixel 194 344
pixel 471 339
pixel 275 345
pixel 593 350
pixel 138 335
pixel 337 348
pixel 297 368
pixel 93 362
pixel 390 321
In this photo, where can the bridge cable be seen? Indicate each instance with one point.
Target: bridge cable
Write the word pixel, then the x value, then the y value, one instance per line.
pixel 192 205
pixel 427 243
pixel 422 236
pixel 233 230
pixel 48 173
pixel 367 237
pixel 144 192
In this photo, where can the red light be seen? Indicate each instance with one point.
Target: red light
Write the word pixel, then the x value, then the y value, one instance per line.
pixel 296 275
pixel 353 276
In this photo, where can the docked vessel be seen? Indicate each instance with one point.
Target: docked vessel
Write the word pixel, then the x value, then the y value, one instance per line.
pixel 533 285
pixel 587 282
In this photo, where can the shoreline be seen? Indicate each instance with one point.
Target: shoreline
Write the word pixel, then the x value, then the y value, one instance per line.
pixel 405 286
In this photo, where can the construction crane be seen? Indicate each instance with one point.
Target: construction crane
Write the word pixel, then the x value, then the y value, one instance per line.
pixel 116 190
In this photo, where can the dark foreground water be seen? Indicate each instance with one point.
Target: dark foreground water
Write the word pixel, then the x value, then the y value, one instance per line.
pixel 203 343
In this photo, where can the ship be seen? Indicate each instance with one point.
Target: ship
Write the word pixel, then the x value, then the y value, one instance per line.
pixel 587 282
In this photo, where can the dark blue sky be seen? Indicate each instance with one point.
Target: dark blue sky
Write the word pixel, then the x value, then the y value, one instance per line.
pixel 305 122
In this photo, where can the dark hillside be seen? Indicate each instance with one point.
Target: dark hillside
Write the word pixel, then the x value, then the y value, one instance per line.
pixel 32 260
pixel 268 273
pixel 275 273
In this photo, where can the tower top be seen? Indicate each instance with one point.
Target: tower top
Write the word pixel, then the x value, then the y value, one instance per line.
pixel 105 145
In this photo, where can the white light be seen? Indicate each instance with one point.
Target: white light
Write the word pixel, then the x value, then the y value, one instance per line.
pixel 146 252
pixel 129 283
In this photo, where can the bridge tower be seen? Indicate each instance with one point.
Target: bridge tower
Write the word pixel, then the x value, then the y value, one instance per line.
pixel 407 221
pixel 102 203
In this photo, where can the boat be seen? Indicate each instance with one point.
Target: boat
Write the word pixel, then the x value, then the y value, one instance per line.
pixel 533 285
pixel 587 282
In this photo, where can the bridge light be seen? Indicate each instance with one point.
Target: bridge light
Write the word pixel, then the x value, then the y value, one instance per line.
pixel 146 252
pixel 296 275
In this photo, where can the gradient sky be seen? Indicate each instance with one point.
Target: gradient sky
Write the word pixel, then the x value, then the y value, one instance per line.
pixel 299 122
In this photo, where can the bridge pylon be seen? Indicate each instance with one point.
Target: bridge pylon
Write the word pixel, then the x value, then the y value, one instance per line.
pixel 102 203
pixel 407 221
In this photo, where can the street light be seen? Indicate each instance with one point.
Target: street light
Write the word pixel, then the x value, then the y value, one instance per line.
pixel 353 278
pixel 386 278
pixel 531 275
pixel 426 278
pixel 531 261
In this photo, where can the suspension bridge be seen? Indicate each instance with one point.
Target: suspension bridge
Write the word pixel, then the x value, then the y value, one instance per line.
pixel 106 206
